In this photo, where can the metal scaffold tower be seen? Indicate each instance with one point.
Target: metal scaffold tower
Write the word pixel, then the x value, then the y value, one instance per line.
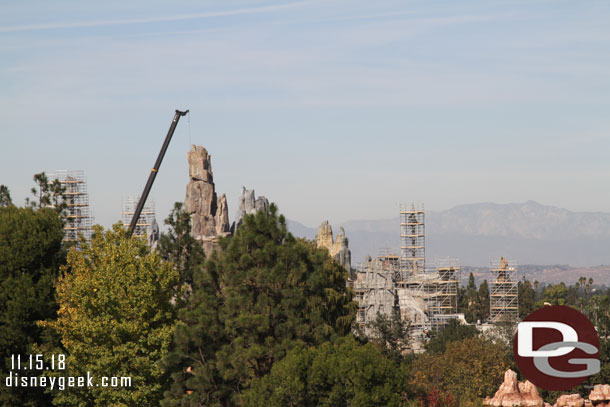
pixel 412 243
pixel 443 304
pixel 145 222
pixel 78 218
pixel 503 292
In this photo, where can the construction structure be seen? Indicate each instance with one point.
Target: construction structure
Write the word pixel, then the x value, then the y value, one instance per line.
pixel 78 218
pixel 412 239
pixel 503 292
pixel 146 223
pixel 424 298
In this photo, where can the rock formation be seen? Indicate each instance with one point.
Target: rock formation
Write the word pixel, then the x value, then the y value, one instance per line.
pixel 514 394
pixel 600 395
pixel 248 205
pixel 209 215
pixel 570 400
pixel 338 248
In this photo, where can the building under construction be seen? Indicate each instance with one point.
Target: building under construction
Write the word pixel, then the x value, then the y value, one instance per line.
pixel 503 292
pixel 147 223
pixel 78 219
pixel 425 298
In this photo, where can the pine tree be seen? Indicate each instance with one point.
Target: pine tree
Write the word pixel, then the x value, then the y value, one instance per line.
pixel 49 194
pixel 265 293
pixel 469 299
pixel 482 309
pixel 179 246
pixel 527 298
pixel 30 257
pixel 390 335
pixel 5 196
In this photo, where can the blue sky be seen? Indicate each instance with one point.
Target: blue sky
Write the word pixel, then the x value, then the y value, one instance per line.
pixel 335 110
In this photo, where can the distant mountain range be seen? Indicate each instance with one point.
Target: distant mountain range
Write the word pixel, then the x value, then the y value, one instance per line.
pixel 528 233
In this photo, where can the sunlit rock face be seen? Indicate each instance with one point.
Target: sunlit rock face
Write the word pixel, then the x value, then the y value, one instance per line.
pixel 209 215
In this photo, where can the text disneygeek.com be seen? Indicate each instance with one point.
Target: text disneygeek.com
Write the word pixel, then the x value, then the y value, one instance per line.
pixel 18 377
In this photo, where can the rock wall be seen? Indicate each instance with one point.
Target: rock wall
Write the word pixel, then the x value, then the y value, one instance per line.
pixel 209 215
pixel 338 248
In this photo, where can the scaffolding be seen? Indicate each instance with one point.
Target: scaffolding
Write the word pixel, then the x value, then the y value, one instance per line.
pixel 426 299
pixel 78 218
pixel 146 222
pixel 436 288
pixel 412 241
pixel 503 292
pixel 443 305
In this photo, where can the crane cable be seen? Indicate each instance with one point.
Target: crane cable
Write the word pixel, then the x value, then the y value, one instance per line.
pixel 189 121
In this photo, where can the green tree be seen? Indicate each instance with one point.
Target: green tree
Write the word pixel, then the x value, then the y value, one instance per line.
pixel 265 293
pixel 527 298
pixel 469 299
pixel 115 318
pixel 468 369
pixel 179 246
pixel 453 331
pixel 30 257
pixel 554 294
pixel 390 335
pixel 482 306
pixel 49 193
pixel 5 196
pixel 341 374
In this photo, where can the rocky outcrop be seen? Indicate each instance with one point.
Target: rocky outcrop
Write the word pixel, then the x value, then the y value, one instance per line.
pixel 600 395
pixel 249 204
pixel 338 248
pixel 570 400
pixel 209 215
pixel 324 237
pixel 514 394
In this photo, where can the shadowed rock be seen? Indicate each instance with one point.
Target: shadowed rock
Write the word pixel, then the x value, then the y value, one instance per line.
pixel 249 205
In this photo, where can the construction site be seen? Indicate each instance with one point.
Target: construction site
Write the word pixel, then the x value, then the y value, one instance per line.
pixel 395 282
pixel 78 218
pixel 146 223
pixel 424 297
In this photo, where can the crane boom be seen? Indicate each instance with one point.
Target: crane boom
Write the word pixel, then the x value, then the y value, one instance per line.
pixel 155 169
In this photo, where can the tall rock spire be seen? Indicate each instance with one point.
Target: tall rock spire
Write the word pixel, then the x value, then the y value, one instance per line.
pixel 209 215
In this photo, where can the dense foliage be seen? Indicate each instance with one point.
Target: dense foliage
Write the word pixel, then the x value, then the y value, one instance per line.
pixel 180 247
pixel 472 302
pixel 390 335
pixel 452 332
pixel 265 321
pixel 30 256
pixel 468 369
pixel 331 375
pixel 115 318
pixel 264 294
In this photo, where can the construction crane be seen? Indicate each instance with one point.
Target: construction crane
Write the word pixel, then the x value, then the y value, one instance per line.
pixel 154 171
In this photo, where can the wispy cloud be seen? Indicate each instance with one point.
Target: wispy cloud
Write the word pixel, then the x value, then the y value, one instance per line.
pixel 129 21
